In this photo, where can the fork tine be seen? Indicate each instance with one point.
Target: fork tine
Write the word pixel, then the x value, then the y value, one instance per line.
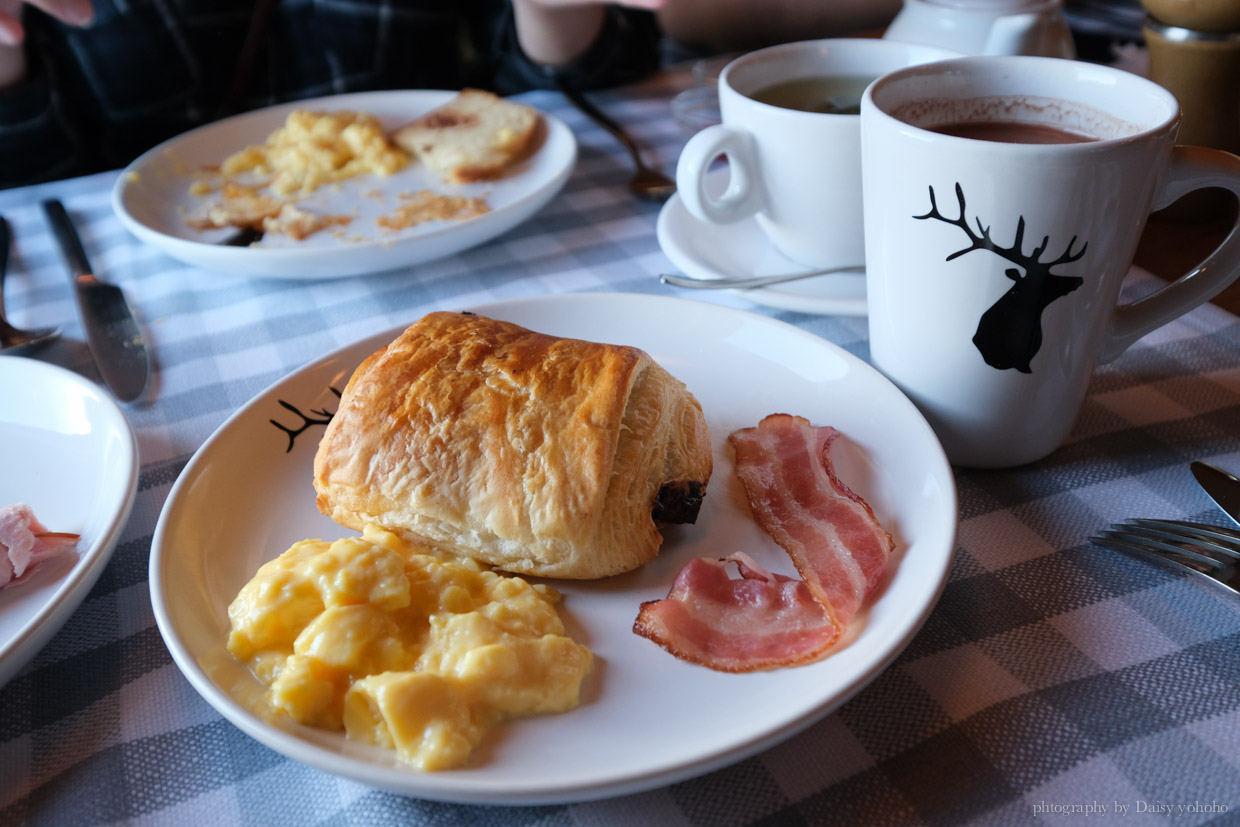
pixel 1173 559
pixel 1225 540
pixel 1187 538
pixel 1153 543
pixel 1145 549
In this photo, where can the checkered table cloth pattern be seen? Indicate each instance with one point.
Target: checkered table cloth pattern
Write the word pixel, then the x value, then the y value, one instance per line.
pixel 1055 682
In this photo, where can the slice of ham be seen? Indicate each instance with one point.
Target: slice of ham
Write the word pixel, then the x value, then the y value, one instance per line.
pixel 763 621
pixel 25 543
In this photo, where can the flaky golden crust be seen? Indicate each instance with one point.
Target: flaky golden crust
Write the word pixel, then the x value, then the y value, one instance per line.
pixel 536 454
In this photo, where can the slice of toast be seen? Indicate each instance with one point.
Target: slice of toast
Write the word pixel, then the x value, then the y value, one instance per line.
pixel 471 137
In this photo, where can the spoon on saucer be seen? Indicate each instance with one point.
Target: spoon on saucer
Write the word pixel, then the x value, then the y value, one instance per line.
pixel 13 339
pixel 747 282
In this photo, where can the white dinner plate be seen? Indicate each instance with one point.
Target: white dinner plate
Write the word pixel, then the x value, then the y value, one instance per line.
pixel 646 719
pixel 711 251
pixel 67 451
pixel 152 196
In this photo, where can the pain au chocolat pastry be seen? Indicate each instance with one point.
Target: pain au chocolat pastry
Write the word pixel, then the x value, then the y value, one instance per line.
pixel 536 454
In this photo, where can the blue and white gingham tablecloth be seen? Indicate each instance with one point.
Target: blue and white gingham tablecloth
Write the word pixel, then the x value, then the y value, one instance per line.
pixel 1054 683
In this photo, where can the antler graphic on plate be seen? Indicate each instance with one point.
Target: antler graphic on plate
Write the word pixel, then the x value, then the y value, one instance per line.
pixel 1009 333
pixel 323 415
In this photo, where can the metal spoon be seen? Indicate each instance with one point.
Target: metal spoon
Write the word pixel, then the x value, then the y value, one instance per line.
pixel 646 183
pixel 14 339
pixel 746 282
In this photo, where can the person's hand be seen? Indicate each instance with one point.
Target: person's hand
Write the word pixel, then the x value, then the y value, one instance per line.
pixel 12 33
pixel 73 12
pixel 553 32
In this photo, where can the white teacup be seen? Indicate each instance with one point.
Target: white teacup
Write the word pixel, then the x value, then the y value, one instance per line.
pixel 994 268
pixel 798 172
pixel 986 27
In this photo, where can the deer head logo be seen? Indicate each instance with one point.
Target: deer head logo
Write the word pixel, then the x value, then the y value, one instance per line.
pixel 1009 333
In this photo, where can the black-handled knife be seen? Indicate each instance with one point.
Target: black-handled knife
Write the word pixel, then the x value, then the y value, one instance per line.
pixel 115 340
pixel 1223 488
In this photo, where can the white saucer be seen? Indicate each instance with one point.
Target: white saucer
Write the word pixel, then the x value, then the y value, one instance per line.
pixel 711 251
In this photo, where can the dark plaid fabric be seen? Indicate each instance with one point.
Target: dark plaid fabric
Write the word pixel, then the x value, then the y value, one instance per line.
pixel 146 70
pixel 1054 683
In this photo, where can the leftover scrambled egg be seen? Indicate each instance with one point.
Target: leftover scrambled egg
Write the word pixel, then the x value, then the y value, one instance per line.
pixel 403 649
pixel 316 148
pixel 425 205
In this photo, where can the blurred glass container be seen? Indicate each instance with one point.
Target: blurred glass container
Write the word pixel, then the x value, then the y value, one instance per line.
pixel 698 107
pixel 706 71
pixel 1218 16
pixel 1194 48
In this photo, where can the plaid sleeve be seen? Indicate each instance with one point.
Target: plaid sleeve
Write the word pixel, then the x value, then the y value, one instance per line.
pixel 96 103
pixel 37 140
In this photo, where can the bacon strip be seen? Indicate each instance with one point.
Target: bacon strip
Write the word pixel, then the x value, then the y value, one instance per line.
pixel 757 621
pixel 831 534
pixel 25 543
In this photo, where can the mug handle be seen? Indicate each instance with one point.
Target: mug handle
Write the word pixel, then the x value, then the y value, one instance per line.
pixel 743 196
pixel 1191 168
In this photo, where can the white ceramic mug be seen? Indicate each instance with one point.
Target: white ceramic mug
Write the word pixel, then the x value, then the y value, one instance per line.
pixel 797 172
pixel 994 269
pixel 986 27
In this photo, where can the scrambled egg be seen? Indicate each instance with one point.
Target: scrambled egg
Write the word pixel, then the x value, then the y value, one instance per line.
pixel 402 649
pixel 425 205
pixel 316 148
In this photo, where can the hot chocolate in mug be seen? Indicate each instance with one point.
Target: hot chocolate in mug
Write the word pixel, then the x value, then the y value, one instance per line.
pixel 1004 199
pixel 790 134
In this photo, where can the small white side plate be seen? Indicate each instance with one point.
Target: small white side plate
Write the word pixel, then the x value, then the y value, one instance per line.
pixel 152 196
pixel 68 452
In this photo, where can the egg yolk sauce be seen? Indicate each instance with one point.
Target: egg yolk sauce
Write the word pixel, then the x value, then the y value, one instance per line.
pixel 315 148
pixel 403 649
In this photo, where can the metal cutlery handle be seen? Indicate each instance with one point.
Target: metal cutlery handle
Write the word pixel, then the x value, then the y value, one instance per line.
pixel 600 117
pixel 745 283
pixel 116 342
pixel 647 182
pixel 67 240
pixel 1223 488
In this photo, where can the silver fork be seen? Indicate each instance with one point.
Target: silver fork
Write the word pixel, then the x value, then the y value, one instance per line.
pixel 1208 551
